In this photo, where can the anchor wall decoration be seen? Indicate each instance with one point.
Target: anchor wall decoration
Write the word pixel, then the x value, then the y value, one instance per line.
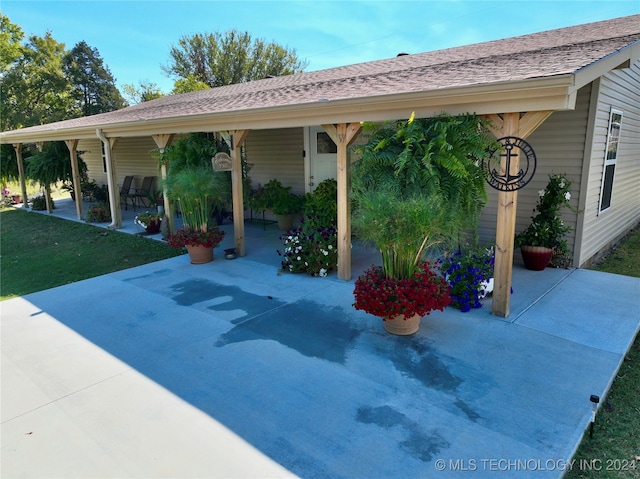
pixel 512 146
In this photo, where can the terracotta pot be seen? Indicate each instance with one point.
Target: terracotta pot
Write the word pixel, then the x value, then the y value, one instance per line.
pixel 200 254
pixel 536 258
pixel 401 326
pixel 285 222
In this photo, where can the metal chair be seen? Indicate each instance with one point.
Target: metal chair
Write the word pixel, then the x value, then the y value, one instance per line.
pixel 125 192
pixel 142 194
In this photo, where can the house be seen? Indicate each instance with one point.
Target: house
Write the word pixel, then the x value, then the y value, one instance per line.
pixel 572 93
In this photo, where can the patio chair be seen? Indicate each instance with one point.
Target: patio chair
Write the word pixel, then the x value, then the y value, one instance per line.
pixel 142 194
pixel 126 194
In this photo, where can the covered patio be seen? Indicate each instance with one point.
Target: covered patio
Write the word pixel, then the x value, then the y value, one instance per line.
pixel 230 369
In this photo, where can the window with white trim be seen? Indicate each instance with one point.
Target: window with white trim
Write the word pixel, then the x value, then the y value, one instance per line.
pixel 610 158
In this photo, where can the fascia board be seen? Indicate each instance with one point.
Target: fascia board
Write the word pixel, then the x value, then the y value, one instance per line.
pixel 586 75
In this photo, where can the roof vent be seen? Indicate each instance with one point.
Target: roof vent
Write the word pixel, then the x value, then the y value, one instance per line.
pixel 402 54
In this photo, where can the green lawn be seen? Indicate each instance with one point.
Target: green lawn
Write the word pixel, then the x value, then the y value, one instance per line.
pixel 40 252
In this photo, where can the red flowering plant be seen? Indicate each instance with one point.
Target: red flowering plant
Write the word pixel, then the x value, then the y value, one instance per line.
pixel 386 297
pixel 193 237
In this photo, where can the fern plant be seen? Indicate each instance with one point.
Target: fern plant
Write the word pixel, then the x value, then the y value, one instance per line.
pixel 419 184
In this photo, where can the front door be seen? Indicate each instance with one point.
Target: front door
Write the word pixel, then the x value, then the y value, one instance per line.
pixel 322 157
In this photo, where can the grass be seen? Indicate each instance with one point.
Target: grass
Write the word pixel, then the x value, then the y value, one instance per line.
pixel 39 252
pixel 614 450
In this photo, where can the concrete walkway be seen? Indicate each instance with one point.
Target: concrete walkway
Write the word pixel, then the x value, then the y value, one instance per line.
pixel 231 370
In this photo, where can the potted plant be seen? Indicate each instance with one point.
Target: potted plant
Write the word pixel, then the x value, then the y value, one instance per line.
pixel 401 302
pixel 312 247
pixel 284 204
pixel 545 237
pixel 469 272
pixel 99 213
pixel 199 243
pixel 416 186
pixel 197 189
pixel 149 221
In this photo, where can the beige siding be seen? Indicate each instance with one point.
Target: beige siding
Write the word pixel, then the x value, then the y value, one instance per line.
pixel 619 89
pixel 276 154
pixel 133 157
pixel 559 147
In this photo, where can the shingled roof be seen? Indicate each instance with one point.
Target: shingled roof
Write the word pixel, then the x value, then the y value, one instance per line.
pixel 545 68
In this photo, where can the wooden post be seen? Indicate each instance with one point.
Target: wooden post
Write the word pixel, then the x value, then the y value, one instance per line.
pixel 162 142
pixel 237 139
pixel 505 228
pixel 23 182
pixel 75 175
pixel 343 135
pixel 511 124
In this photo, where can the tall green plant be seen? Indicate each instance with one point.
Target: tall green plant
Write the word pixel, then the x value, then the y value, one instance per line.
pixel 192 181
pixel 419 184
pixel 198 189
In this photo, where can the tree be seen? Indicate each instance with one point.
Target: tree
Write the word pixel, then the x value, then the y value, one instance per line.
pixel 35 89
pixel 186 85
pixel 145 92
pixel 10 47
pixel 93 86
pixel 223 59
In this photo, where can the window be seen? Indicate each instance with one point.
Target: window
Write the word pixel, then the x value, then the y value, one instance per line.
pixel 610 159
pixel 325 144
pixel 104 159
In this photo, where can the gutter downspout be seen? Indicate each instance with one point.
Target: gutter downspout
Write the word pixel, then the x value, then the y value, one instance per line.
pixel 113 204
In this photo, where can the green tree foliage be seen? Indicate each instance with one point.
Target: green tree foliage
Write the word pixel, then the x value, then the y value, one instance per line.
pixel 233 57
pixel 35 89
pixel 419 184
pixel 143 92
pixel 10 47
pixel 93 86
pixel 186 85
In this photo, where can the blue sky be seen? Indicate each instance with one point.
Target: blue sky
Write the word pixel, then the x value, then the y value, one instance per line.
pixel 134 37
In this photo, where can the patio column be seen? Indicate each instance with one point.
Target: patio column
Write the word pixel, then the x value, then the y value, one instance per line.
pixel 237 138
pixel 162 142
pixel 75 175
pixel 343 135
pixel 510 124
pixel 23 182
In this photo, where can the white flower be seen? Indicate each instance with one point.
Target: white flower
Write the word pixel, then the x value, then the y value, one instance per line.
pixel 562 184
pixel 299 258
pixel 323 272
pixel 540 193
pixel 330 246
pixel 290 237
pixel 567 196
pixel 306 264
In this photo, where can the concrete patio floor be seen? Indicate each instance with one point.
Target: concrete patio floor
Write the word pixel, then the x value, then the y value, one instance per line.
pixel 229 369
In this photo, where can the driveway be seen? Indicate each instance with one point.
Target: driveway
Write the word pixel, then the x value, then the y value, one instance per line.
pixel 231 370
